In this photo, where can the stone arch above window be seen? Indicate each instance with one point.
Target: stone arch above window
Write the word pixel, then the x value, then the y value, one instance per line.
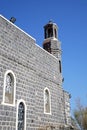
pixel 47 101
pixel 21 115
pixel 9 88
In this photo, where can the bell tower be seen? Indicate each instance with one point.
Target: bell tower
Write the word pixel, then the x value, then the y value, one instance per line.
pixel 51 42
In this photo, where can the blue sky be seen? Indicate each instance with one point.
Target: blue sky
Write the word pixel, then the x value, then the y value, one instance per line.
pixel 71 18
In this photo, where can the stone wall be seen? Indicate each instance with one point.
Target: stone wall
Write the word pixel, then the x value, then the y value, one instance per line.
pixel 35 69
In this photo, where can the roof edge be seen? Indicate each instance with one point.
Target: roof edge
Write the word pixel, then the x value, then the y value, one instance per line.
pixel 17 27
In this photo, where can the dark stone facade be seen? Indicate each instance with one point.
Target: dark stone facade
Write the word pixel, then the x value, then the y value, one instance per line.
pixel 34 70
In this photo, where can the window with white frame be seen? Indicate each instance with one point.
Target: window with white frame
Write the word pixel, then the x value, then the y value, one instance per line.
pixel 9 88
pixel 21 115
pixel 47 101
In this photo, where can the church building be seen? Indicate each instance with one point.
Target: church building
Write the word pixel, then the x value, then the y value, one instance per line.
pixel 31 92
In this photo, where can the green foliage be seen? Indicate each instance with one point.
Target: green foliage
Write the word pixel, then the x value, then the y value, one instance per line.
pixel 81 116
pixel 85 119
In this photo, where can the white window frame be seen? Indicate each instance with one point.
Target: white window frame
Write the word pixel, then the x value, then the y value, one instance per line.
pixel 25 108
pixel 6 73
pixel 49 101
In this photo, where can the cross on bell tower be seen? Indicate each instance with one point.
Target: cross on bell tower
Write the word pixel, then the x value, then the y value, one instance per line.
pixel 51 42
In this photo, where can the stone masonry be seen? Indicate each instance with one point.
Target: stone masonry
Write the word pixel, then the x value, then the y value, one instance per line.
pixel 34 69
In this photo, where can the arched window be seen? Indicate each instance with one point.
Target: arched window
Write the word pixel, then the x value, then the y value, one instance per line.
pixel 21 115
pixel 55 33
pixel 50 32
pixel 9 88
pixel 60 66
pixel 47 102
